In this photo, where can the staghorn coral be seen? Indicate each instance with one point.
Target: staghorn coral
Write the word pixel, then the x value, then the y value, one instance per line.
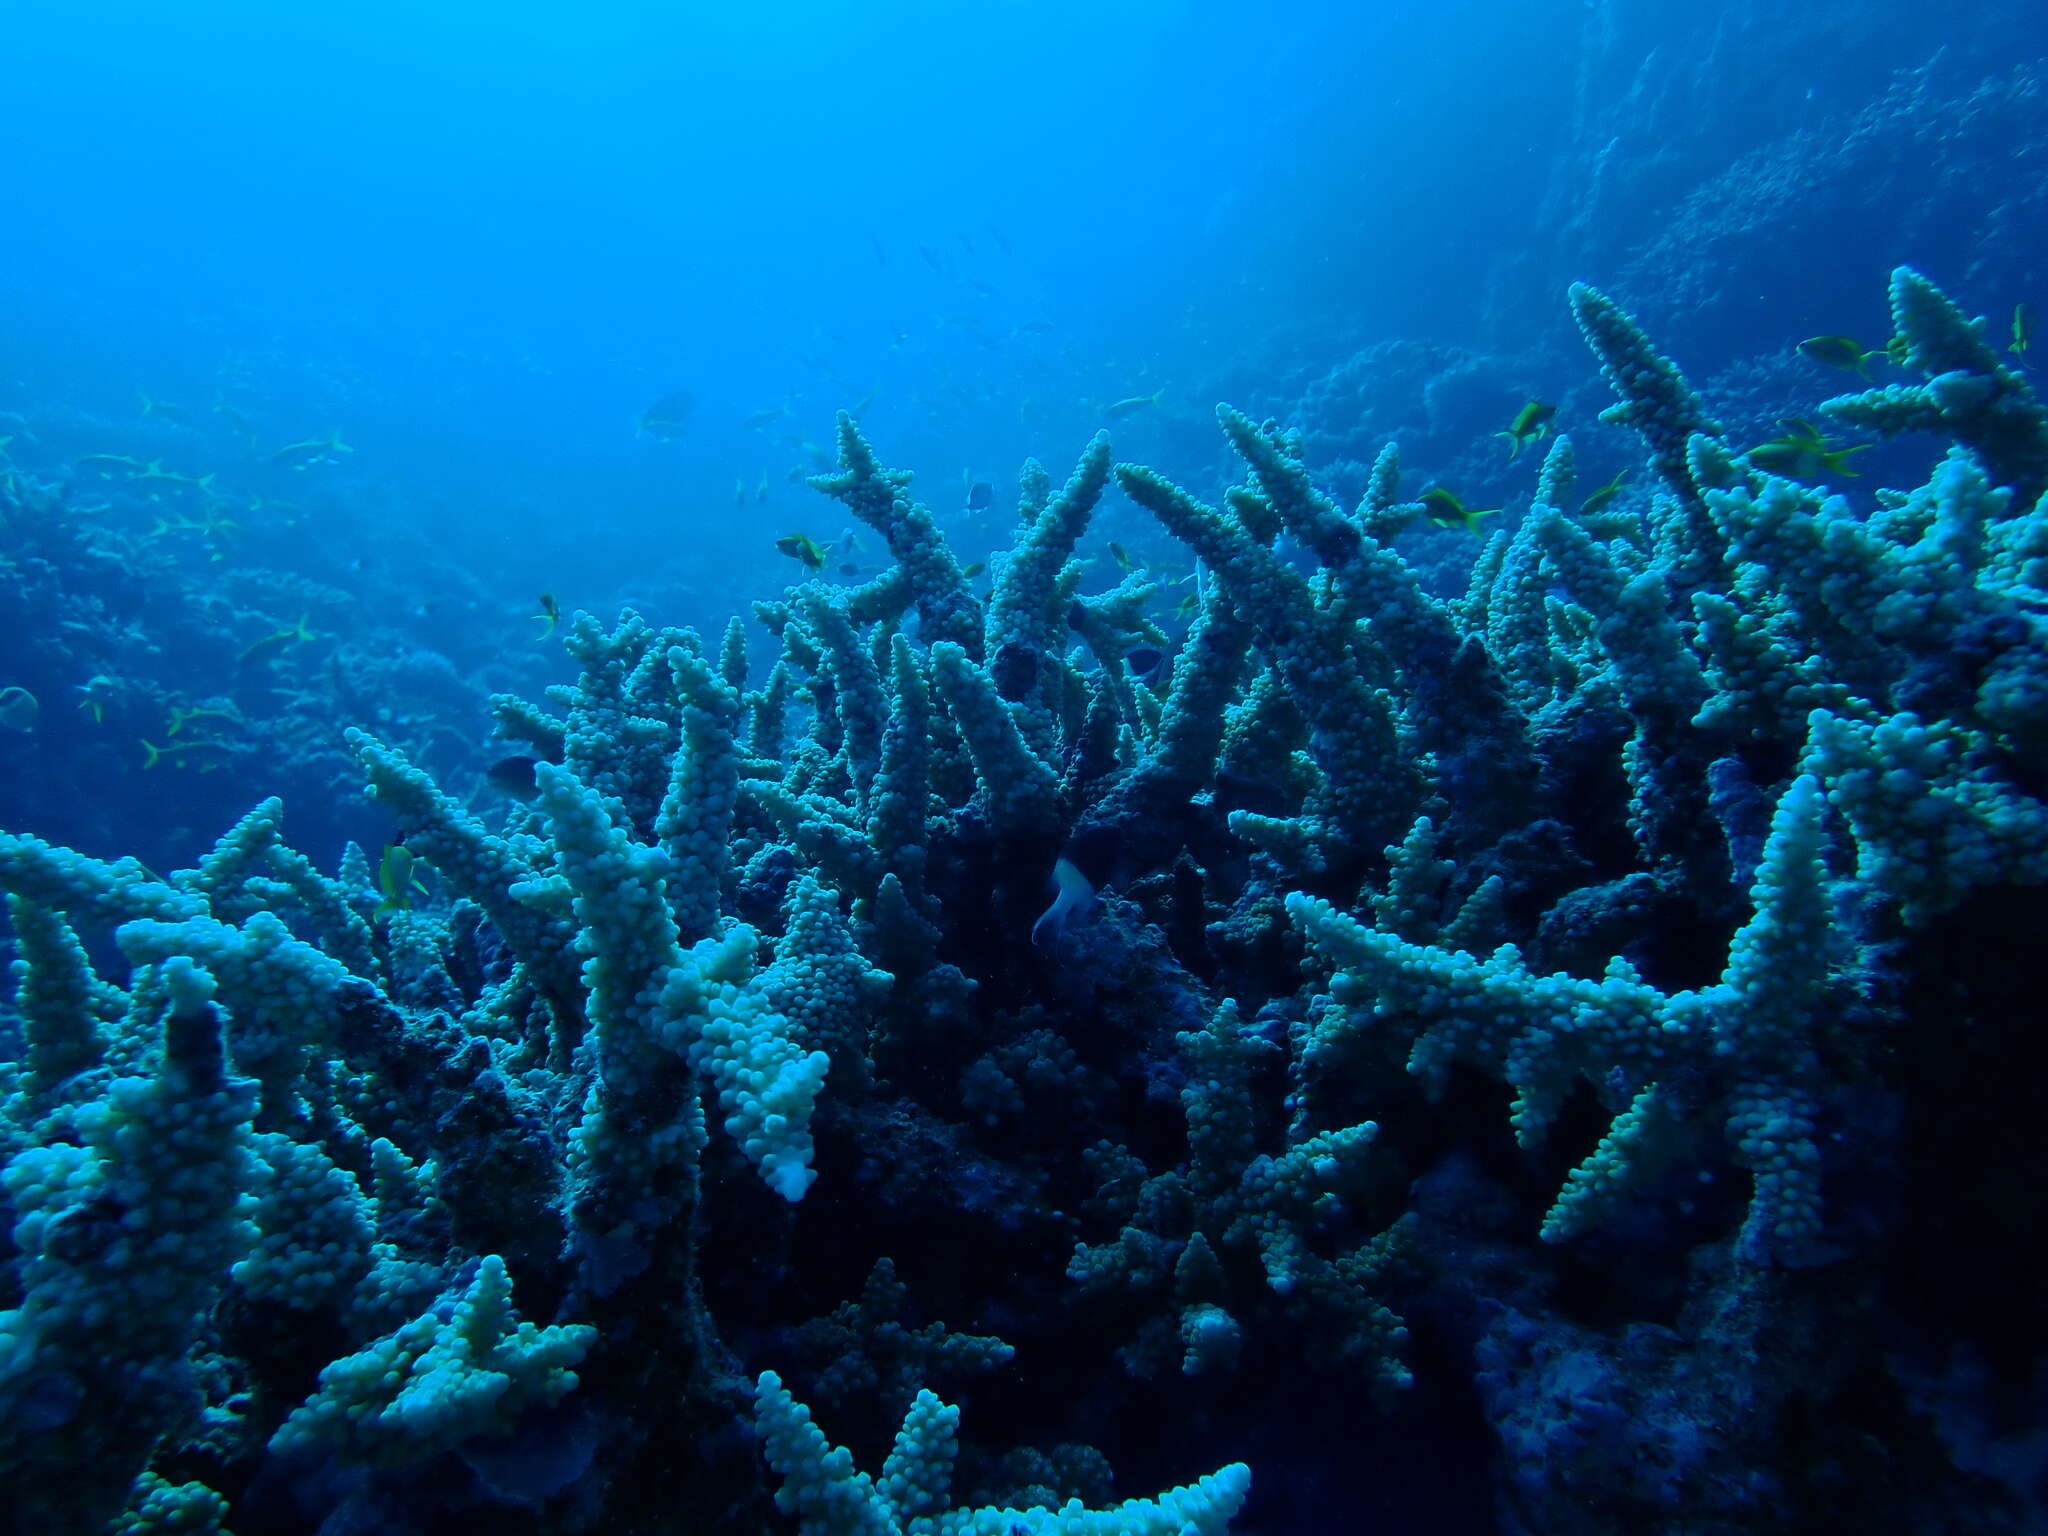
pixel 1969 394
pixel 1649 826
pixel 829 1498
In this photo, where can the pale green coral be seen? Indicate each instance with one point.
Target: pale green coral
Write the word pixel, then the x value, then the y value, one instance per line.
pixel 126 1237
pixel 314 1230
pixel 695 824
pixel 1018 787
pixel 159 1507
pixel 439 1381
pixel 1933 816
pixel 480 865
pixel 88 890
pixel 758 1059
pixel 1750 1035
pixel 1371 788
pixel 828 1496
pixel 1969 394
pixel 1024 611
pixel 1655 399
pixel 929 572
pixel 284 997
pixel 58 997
pixel 1232 1199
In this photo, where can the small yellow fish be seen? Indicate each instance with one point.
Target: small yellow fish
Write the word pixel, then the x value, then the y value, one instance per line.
pixel 1444 509
pixel 237 423
pixel 176 415
pixel 761 418
pixel 1120 555
pixel 1803 453
pixel 1842 352
pixel 1600 499
pixel 975 569
pixel 805 550
pixel 1120 408
pixel 274 643
pixel 314 450
pixel 397 879
pixel 154 470
pixel 96 693
pixel 667 417
pixel 152 754
pixel 2022 329
pixel 107 465
pixel 549 616
pixel 1531 424
pixel 182 717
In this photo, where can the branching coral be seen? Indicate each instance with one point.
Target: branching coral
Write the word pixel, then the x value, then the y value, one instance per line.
pixel 1633 827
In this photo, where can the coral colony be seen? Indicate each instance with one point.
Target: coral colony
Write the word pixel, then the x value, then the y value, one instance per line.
pixel 1361 955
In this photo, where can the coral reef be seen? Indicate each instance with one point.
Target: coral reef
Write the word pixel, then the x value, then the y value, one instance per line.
pixel 1524 972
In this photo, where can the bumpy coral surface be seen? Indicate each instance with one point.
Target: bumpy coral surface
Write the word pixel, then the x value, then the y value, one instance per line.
pixel 1356 1007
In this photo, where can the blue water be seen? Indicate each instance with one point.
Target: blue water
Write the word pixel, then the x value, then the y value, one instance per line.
pixel 480 242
